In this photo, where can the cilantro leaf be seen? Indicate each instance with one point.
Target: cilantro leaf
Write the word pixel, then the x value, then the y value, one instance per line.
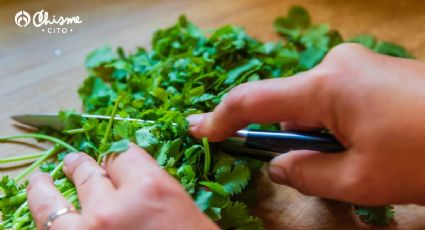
pixel 118 146
pixel 236 216
pixel 100 56
pixel 233 179
pixel 145 139
pixel 380 216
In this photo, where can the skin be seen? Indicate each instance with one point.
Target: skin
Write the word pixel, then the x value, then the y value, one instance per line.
pixel 373 104
pixel 130 192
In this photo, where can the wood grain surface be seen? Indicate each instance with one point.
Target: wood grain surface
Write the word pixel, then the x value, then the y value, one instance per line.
pixel 41 72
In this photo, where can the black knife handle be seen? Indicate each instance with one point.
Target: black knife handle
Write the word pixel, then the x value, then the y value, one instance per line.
pixel 284 141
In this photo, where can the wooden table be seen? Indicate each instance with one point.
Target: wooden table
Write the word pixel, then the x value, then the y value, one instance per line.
pixel 41 72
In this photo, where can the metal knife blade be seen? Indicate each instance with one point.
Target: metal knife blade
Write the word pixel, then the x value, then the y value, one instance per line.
pixel 53 120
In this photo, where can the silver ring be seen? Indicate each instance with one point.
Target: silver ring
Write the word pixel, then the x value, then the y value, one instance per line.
pixel 54 215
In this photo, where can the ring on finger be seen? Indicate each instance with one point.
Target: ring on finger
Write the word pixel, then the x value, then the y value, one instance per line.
pixel 56 214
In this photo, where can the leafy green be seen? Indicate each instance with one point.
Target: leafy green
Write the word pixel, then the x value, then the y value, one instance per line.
pixel 145 139
pixel 382 47
pixel 312 41
pixel 186 72
pixel 233 179
pixel 380 216
pixel 118 146
pixel 100 56
pixel 236 216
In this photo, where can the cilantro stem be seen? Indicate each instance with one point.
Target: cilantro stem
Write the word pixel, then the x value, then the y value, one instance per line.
pixel 207 157
pixel 111 120
pixel 22 158
pixel 56 170
pixel 75 131
pixel 69 192
pixel 22 220
pixel 110 123
pixel 11 201
pixel 37 163
pixel 18 213
pixel 40 136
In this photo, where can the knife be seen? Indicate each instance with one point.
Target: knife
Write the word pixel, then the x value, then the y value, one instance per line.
pixel 257 144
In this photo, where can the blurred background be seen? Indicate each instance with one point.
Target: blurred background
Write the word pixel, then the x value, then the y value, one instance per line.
pixel 41 71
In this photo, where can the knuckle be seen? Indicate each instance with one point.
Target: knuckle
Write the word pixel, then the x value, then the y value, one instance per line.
pixel 84 181
pixel 153 188
pixel 81 163
pixel 37 178
pixel 138 155
pixel 136 159
pixel 326 81
pixel 321 78
pixel 330 81
pixel 346 48
pixel 102 219
pixel 323 73
pixel 236 97
pixel 341 56
pixel 158 188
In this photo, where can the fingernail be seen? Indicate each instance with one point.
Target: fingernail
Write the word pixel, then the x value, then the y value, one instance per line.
pixel 195 119
pixel 71 157
pixel 277 174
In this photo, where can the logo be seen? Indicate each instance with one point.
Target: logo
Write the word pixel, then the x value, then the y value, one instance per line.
pixel 50 24
pixel 22 18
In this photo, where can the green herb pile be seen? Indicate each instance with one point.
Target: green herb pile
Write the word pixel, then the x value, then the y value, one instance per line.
pixel 186 72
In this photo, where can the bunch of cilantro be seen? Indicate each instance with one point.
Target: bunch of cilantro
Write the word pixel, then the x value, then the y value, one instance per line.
pixel 186 72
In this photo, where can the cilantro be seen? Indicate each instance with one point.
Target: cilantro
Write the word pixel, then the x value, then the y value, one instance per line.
pixel 100 56
pixel 387 48
pixel 211 198
pixel 186 72
pixel 8 187
pixel 233 179
pixel 118 146
pixel 240 72
pixel 236 216
pixel 167 150
pixel 380 216
pixel 47 166
pixel 145 139
pixel 365 40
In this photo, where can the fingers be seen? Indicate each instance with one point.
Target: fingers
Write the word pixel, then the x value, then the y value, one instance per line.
pixel 44 199
pixel 299 99
pixel 314 173
pixel 132 167
pixel 89 178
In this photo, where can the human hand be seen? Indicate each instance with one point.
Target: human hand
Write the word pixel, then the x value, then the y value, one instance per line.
pixel 374 105
pixel 130 192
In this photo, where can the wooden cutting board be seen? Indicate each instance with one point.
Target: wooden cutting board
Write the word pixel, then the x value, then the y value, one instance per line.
pixel 40 72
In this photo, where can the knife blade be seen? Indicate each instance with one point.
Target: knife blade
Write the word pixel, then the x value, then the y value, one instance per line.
pixel 258 144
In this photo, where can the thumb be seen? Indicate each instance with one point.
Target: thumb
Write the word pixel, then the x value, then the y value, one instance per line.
pixel 313 173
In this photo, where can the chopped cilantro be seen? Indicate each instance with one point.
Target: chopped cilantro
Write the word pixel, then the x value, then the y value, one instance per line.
pixel 186 72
